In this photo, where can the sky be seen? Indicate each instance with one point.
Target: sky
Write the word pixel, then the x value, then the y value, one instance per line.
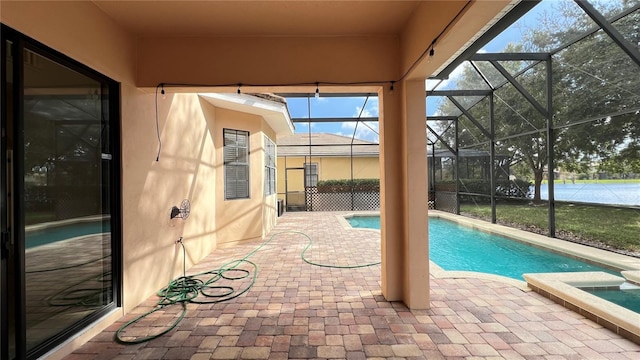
pixel 352 107
pixel 337 107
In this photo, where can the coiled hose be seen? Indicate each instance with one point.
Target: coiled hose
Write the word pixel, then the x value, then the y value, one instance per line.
pixel 191 289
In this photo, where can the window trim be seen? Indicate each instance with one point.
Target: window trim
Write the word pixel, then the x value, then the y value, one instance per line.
pixel 226 164
pixel 270 167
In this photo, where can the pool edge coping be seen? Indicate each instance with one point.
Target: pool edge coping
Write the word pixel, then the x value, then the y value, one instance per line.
pixel 564 289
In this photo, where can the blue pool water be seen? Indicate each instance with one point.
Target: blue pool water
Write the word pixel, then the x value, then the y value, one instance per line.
pixel 64 232
pixel 629 299
pixel 456 247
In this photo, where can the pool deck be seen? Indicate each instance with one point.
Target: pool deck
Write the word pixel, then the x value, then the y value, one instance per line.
pixel 299 311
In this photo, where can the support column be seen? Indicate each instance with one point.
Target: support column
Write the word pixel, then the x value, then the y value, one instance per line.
pixel 404 195
pixel 416 249
pixel 391 193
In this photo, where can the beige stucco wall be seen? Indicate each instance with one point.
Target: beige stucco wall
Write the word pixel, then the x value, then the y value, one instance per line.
pixel 329 168
pixel 243 219
pixel 266 60
pixel 187 166
pixel 150 255
pixel 189 163
pixel 185 170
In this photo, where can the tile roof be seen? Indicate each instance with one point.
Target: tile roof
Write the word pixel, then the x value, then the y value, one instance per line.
pixel 324 144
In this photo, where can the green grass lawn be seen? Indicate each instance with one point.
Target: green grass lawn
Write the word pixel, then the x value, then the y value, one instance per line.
pixel 618 228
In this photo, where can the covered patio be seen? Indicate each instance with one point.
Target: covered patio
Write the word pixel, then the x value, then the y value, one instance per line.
pixel 143 65
pixel 299 311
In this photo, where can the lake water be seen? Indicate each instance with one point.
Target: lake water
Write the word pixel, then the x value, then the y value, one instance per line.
pixel 599 193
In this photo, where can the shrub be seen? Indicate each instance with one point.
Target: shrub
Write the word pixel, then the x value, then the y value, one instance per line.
pixel 348 185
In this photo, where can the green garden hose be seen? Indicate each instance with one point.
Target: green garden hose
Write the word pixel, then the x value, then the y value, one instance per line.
pixel 191 289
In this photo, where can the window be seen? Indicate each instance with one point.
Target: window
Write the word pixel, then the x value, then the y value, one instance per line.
pixel 236 164
pixel 269 166
pixel 310 174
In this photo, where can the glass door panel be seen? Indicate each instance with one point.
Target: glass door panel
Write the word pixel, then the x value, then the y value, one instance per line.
pixel 7 264
pixel 67 242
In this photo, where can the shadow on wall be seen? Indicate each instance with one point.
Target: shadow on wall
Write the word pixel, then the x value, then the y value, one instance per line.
pixel 150 188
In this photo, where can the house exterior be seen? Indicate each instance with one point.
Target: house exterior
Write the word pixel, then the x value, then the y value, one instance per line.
pixel 138 133
pixel 260 122
pixel 329 157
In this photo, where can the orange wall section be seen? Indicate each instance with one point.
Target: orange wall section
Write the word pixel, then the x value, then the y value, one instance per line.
pixel 77 29
pixel 416 265
pixel 241 219
pixel 392 229
pixel 190 161
pixel 473 18
pixel 422 28
pixel 267 60
pixel 186 168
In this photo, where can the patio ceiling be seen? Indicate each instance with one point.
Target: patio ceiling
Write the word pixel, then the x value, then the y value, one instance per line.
pixel 414 25
pixel 269 18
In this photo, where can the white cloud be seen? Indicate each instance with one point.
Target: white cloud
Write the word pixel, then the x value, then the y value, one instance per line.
pixel 367 130
pixel 453 78
pixel 364 113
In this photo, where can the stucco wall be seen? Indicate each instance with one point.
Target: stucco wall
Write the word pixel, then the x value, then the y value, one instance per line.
pixel 185 170
pixel 187 164
pixel 242 219
pixel 266 60
pixel 150 188
pixel 329 168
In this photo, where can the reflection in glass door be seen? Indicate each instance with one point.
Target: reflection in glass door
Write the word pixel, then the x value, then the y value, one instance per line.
pixel 59 263
pixel 67 245
pixel 7 320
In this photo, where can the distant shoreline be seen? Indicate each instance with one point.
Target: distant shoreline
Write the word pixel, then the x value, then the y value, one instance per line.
pixel 596 181
pixel 625 193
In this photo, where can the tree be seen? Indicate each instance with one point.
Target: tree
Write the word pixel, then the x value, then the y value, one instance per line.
pixel 596 87
pixel 512 114
pixel 596 97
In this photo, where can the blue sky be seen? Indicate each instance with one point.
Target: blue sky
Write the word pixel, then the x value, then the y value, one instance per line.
pixel 351 107
pixel 337 107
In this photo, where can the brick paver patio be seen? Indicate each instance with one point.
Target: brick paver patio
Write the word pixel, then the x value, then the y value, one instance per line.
pixel 299 311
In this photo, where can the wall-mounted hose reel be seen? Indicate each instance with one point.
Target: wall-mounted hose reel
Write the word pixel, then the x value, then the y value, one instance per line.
pixel 181 212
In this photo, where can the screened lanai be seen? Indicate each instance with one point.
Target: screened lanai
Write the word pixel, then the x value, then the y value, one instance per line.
pixel 556 116
pixel 332 162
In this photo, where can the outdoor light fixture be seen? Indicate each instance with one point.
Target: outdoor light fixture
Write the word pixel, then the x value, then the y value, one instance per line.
pixel 432 51
pixel 239 92
pixel 162 92
pixel 391 87
pixel 317 91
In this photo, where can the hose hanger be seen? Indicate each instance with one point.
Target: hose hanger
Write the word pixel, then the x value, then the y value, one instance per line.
pixel 181 212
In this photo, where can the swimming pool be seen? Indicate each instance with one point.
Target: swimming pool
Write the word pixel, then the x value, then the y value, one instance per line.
pixel 58 232
pixel 456 247
pixel 627 298
pixel 609 300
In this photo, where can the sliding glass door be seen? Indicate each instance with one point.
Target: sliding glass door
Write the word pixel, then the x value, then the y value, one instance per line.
pixel 60 152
